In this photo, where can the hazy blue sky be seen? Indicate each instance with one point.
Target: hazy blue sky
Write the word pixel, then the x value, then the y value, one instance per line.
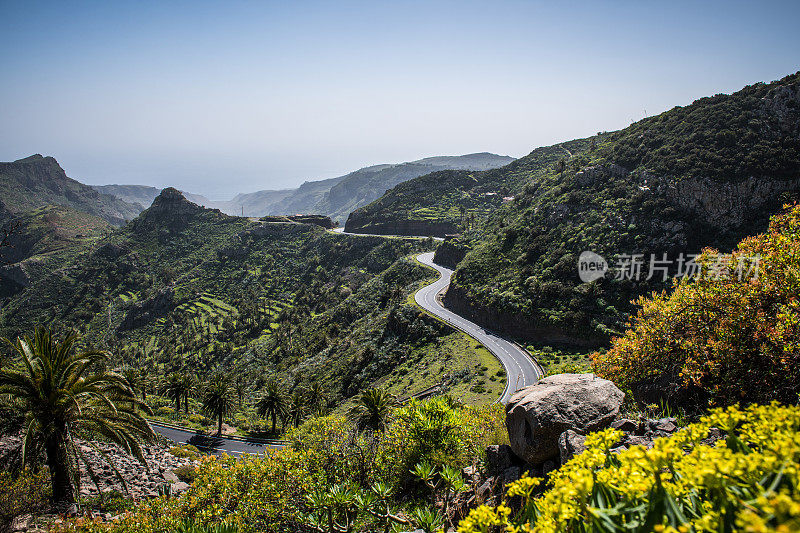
pixel 227 97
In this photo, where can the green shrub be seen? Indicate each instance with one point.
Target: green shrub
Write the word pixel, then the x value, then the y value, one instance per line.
pixel 27 492
pixel 186 473
pixel 199 419
pixel 113 502
pixel 186 451
pixel 190 526
pixel 164 410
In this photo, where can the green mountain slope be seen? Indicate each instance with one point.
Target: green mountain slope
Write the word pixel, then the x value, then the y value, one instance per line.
pixel 38 181
pixel 449 201
pixel 192 289
pixel 45 239
pixel 366 185
pixel 702 175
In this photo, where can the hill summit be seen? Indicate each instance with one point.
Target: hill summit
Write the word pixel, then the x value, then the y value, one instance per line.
pixel 37 181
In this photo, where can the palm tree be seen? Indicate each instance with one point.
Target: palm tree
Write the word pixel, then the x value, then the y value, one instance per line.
pixel 317 399
pixel 137 380
pixel 241 383
pixel 218 401
pixel 64 396
pixel 298 408
pixel 186 386
pixel 372 409
pixel 173 388
pixel 272 403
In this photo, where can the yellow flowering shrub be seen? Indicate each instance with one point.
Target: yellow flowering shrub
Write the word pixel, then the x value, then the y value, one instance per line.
pixel 748 481
pixel 258 494
pixel 276 492
pixel 738 340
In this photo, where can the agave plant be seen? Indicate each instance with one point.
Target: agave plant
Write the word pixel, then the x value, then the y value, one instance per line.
pixel 65 395
pixel 337 508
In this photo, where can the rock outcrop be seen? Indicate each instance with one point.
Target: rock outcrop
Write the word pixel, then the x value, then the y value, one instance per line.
pixel 536 416
pixel 514 324
pixel 570 444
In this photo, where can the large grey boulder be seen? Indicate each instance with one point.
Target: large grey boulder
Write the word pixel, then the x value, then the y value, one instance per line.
pixel 537 415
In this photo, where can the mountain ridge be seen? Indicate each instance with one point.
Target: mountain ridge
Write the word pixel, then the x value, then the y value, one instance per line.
pixel 334 197
pixel 37 181
pixel 705 174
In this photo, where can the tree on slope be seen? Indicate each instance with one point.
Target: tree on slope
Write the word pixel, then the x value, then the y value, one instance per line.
pixel 218 401
pixel 272 403
pixel 373 408
pixel 66 394
pixel 173 388
pixel 298 408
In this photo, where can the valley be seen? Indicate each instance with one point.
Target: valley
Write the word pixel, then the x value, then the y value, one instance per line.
pixel 414 346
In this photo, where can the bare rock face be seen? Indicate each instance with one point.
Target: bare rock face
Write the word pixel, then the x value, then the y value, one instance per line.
pixel 537 415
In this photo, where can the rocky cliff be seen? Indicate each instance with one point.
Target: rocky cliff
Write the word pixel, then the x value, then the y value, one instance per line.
pixel 38 181
pixel 515 325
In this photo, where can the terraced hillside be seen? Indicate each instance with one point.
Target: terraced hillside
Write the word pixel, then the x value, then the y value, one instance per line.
pixel 187 289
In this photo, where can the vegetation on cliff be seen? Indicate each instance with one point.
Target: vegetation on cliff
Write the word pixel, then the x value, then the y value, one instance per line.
pixel 731 333
pixel 707 174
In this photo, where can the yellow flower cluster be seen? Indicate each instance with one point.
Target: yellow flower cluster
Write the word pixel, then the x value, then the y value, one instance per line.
pixel 748 481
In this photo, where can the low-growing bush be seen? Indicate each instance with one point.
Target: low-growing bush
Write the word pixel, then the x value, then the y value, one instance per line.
pixel 199 419
pixel 113 502
pixel 26 492
pixel 186 473
pixel 186 451
pixel 748 481
pixel 164 411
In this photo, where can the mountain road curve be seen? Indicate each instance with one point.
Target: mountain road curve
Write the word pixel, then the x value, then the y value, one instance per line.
pixel 521 369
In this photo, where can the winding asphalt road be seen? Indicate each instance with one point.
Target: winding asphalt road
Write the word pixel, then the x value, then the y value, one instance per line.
pixel 213 444
pixel 521 370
